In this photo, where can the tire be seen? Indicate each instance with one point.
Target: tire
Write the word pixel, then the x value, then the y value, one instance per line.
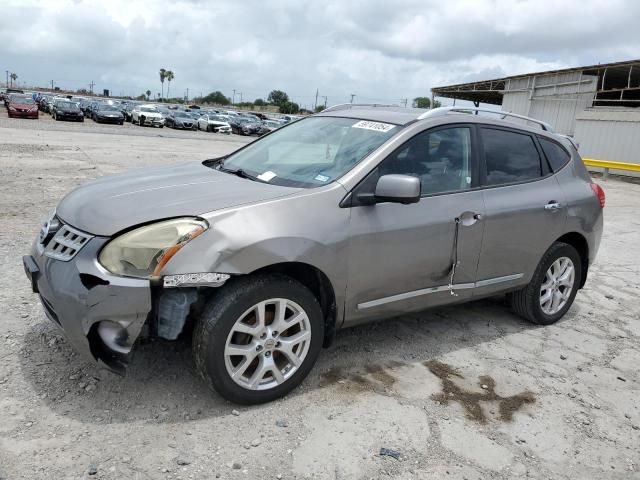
pixel 141 121
pixel 121 123
pixel 216 326
pixel 527 302
pixel 209 128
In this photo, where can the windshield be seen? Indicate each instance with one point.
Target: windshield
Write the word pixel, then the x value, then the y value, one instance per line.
pixel 147 109
pixel 311 152
pixel 109 108
pixel 23 100
pixel 68 105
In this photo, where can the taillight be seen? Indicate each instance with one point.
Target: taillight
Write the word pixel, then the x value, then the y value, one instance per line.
pixel 598 192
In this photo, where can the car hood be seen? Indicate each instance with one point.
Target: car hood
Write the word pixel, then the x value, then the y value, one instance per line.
pixel 111 204
pixel 150 114
pixel 221 124
pixel 22 105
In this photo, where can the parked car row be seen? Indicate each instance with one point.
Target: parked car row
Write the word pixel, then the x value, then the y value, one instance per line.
pixel 114 111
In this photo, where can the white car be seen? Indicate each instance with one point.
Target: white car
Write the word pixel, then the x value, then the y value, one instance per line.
pixel 147 115
pixel 213 123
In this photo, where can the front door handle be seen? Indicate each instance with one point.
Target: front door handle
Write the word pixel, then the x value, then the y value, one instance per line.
pixel 469 218
pixel 552 206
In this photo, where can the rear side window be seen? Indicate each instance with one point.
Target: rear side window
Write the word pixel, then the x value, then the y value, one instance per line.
pixel 510 157
pixel 557 156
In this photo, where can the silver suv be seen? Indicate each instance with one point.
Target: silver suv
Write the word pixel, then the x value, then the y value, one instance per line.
pixel 356 214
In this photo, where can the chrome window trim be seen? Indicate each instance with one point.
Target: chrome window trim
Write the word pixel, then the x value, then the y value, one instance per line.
pixel 442 288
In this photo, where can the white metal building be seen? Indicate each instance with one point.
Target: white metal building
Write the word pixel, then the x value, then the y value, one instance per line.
pixel 599 105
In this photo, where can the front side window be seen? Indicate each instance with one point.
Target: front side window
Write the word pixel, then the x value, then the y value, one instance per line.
pixel 312 152
pixel 510 157
pixel 441 159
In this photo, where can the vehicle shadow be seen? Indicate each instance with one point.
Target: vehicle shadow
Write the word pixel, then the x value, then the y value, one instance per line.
pixel 161 384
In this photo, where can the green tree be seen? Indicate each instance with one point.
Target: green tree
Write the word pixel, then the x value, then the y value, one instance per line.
pixel 278 97
pixel 216 97
pixel 142 96
pixel 422 102
pixel 163 76
pixel 289 107
pixel 13 77
pixel 169 76
pixel 148 93
pixel 319 108
pixel 425 102
pixel 258 102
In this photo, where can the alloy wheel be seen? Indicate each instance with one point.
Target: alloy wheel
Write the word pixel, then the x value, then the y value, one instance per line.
pixel 267 344
pixel 557 285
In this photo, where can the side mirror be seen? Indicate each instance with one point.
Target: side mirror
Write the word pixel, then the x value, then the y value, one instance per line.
pixel 398 188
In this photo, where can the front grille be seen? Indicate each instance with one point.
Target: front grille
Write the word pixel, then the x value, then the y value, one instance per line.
pixel 66 243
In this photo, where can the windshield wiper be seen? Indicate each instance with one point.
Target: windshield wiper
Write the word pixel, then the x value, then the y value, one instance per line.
pixel 239 173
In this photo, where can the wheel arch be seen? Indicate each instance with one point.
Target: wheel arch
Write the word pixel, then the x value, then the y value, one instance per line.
pixel 579 242
pixel 318 283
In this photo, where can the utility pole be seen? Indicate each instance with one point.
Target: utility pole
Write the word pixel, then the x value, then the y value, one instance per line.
pixel 91 85
pixel 7 78
pixel 352 97
pixel 315 105
pixel 325 100
pixel 233 100
pixel 404 100
pixel 51 84
pixel 187 101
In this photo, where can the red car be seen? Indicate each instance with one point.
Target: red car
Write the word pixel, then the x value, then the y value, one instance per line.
pixel 22 106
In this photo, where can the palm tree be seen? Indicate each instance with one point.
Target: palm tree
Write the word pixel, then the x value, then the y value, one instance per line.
pixel 169 76
pixel 163 75
pixel 13 77
pixel 148 92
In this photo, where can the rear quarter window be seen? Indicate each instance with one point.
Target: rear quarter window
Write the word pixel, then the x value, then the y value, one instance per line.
pixel 556 155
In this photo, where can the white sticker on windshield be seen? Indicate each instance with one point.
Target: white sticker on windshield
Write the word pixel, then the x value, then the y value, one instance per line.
pixel 321 178
pixel 377 126
pixel 267 176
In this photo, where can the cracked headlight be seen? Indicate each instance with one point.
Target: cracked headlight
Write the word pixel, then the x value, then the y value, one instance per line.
pixel 144 252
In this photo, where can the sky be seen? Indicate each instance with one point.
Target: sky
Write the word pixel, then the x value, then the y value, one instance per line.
pixel 380 51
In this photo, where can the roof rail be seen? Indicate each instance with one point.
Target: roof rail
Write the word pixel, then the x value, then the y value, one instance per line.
pixel 347 106
pixel 437 112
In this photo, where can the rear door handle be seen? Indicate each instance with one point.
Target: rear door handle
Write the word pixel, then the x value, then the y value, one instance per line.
pixel 552 206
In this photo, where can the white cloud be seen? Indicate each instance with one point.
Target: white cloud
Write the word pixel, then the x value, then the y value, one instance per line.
pixel 378 50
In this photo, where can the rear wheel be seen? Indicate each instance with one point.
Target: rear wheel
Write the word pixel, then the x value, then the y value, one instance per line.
pixel 258 338
pixel 553 287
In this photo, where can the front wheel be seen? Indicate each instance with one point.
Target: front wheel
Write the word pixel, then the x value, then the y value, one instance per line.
pixel 553 287
pixel 258 338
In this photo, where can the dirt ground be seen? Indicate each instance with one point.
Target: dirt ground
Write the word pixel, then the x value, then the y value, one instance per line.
pixel 467 392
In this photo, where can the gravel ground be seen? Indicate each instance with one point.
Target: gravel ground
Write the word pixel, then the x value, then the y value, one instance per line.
pixel 466 392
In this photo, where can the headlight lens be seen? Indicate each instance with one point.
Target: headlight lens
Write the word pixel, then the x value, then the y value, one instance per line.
pixel 143 252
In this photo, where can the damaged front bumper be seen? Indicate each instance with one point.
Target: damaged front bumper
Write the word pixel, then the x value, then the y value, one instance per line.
pixel 102 315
